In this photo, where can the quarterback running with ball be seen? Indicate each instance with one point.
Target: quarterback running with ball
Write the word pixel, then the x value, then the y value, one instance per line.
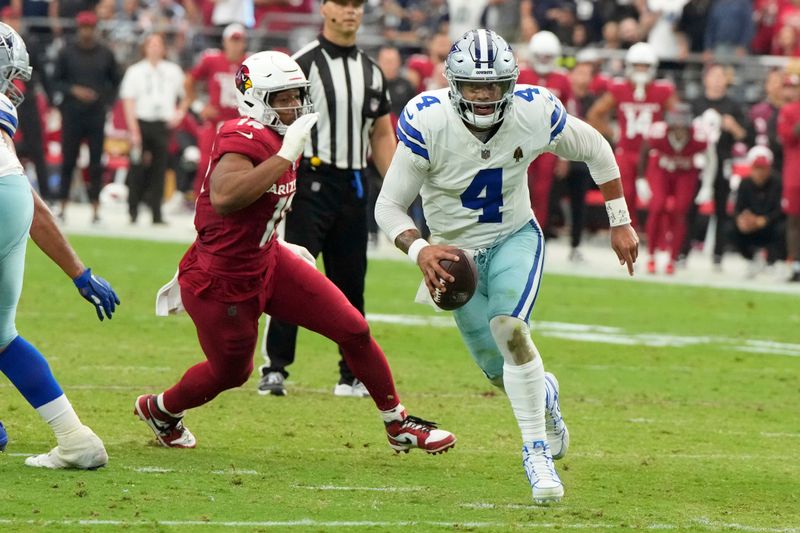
pixel 466 150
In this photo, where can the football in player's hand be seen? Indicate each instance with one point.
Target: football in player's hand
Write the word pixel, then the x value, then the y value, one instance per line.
pixel 461 290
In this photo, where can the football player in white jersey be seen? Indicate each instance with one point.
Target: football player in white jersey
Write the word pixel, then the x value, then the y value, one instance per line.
pixel 465 150
pixel 22 211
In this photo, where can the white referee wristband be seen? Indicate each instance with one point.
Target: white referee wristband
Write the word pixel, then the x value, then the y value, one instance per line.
pixel 414 249
pixel 617 211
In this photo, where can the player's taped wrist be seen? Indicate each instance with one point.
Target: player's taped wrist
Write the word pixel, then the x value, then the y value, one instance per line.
pixel 415 248
pixel 617 211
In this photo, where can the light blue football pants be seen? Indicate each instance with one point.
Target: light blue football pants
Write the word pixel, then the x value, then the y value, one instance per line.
pixel 509 275
pixel 16 215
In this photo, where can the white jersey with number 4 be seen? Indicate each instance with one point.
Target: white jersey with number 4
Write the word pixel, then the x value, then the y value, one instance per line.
pixel 476 194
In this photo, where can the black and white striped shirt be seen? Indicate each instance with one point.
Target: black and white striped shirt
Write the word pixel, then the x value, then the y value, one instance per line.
pixel 349 91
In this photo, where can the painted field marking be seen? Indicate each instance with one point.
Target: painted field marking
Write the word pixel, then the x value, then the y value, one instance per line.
pixel 609 335
pixel 364 489
pixel 307 522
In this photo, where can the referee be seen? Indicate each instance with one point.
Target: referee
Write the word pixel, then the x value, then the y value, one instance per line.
pixel 329 210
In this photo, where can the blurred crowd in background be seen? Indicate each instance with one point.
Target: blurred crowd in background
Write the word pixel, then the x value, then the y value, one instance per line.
pixel 81 145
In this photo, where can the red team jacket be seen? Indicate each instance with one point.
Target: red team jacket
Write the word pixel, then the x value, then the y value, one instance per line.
pixel 635 117
pixel 232 258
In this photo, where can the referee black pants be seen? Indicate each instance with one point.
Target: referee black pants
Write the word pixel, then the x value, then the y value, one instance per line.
pixel 146 177
pixel 328 216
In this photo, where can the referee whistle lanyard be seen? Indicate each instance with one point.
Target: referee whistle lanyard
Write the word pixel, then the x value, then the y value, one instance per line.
pixel 357 184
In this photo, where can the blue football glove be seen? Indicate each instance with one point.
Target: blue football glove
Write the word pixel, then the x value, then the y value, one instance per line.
pixel 97 292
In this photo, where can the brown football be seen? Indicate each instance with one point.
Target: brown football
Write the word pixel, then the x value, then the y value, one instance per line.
pixel 460 291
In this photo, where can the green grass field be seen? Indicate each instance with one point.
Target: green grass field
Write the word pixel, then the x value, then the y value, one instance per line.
pixel 690 436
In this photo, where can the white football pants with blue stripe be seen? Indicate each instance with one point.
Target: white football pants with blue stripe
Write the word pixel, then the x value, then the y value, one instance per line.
pixel 509 275
pixel 16 215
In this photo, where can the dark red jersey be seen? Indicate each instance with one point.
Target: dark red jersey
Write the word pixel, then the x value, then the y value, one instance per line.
pixel 676 159
pixel 232 256
pixel 219 74
pixel 636 115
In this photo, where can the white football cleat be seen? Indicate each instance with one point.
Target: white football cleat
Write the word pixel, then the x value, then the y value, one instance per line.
pixel 538 463
pixel 353 390
pixel 557 432
pixel 81 450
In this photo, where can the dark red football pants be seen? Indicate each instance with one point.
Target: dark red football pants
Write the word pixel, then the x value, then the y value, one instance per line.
pixel 628 163
pixel 296 293
pixel 661 221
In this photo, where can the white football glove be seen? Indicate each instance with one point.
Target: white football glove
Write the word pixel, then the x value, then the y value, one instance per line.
pixel 703 195
pixel 300 251
pixel 296 137
pixel 643 190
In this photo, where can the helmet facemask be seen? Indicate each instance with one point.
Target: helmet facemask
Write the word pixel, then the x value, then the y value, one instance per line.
pixel 466 107
pixel 481 57
pixel 255 102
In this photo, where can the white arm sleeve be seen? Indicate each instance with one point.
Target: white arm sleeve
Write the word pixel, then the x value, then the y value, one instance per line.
pixel 581 142
pixel 401 186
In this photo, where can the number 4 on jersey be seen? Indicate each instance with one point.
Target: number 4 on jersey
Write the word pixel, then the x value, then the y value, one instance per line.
pixel 473 197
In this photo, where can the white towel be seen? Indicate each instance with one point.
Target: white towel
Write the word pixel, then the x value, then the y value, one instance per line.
pixel 168 299
pixel 424 297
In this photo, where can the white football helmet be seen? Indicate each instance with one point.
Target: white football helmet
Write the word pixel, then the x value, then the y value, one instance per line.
pixel 641 54
pixel 260 76
pixel 14 63
pixel 481 56
pixel 545 49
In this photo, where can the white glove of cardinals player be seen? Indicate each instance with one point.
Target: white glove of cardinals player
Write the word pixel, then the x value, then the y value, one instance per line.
pixel 704 195
pixel 296 137
pixel 643 190
pixel 300 251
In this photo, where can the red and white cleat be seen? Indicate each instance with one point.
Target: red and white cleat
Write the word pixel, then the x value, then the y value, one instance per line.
pixel 670 270
pixel 413 432
pixel 651 266
pixel 170 431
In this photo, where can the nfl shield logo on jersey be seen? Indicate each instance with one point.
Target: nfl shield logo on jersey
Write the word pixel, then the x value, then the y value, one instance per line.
pixel 485 154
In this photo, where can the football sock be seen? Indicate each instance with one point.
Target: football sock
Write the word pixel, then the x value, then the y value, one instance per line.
pixel 369 365
pixel 523 375
pixel 160 404
pixel 61 417
pixel 526 392
pixel 390 415
pixel 28 371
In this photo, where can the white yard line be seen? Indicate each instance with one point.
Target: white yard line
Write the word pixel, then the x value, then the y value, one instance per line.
pixel 359 489
pixel 703 523
pixel 610 335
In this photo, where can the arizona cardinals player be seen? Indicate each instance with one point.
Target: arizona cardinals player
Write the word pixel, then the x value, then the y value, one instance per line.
pixel 639 100
pixel 676 156
pixel 236 269
pixel 545 49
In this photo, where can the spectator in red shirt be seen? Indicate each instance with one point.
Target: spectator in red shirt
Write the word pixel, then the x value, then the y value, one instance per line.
pixel 217 69
pixel 422 68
